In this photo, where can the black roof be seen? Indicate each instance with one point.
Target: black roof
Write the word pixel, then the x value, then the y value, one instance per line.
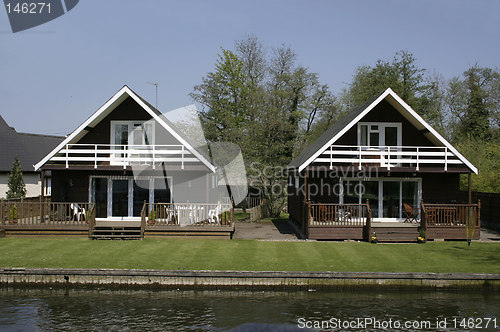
pixel 328 135
pixel 28 148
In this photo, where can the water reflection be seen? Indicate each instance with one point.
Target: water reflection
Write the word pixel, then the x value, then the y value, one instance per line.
pixel 190 310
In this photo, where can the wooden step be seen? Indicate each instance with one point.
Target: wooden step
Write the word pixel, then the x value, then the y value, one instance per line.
pixel 396 234
pixel 116 231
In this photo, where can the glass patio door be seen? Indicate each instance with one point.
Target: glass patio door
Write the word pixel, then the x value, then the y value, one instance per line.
pixel 120 198
pixel 386 195
pixel 391 206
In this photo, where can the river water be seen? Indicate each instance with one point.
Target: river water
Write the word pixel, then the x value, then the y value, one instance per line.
pixel 44 309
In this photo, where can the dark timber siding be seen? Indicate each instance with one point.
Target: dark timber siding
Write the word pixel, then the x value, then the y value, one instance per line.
pixel 128 110
pixel 73 186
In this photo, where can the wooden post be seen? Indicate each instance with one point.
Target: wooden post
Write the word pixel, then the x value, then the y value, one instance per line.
pixel 368 220
pixel 479 214
pixel 207 184
pixel 1 212
pixel 423 217
pixel 305 222
pixel 42 197
pixel 232 211
pixel 470 188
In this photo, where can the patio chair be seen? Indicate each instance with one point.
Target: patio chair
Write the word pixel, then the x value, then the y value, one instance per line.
pixel 171 216
pixel 411 213
pixel 213 214
pixel 78 213
pixel 343 215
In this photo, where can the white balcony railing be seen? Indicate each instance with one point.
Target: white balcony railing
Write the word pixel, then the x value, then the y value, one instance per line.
pixel 388 156
pixel 123 155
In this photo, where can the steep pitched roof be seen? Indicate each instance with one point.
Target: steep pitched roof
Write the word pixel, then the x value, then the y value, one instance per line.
pixel 332 131
pixel 28 148
pixel 201 150
pixel 332 134
pixel 108 107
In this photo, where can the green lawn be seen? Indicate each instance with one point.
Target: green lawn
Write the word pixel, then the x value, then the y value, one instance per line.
pixel 203 254
pixel 239 215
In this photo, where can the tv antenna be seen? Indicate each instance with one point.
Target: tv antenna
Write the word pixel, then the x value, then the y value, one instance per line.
pixel 156 91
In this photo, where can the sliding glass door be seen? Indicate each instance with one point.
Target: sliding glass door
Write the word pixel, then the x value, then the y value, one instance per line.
pixel 386 195
pixel 123 196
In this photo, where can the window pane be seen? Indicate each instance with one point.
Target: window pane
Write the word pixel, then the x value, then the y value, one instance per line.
pixel 121 134
pixel 391 136
pixel 374 139
pixel 370 191
pixel 141 194
pixel 351 192
pixel 410 193
pixel 364 135
pixel 162 191
pixel 391 204
pixel 120 198
pixel 148 134
pixel 101 197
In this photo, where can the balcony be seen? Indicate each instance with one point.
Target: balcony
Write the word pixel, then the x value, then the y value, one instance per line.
pixel 123 155
pixel 389 156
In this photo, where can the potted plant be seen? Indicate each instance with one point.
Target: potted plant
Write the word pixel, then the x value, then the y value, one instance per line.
pixel 374 238
pixel 13 215
pixel 421 236
pixel 152 217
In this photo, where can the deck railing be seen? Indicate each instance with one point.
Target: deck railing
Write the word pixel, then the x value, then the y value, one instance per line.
pixel 44 213
pixel 451 215
pixel 123 155
pixel 91 221
pixel 162 214
pixel 330 214
pixel 388 156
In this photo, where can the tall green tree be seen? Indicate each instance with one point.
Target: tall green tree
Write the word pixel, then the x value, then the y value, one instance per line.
pixel 401 74
pixel 473 102
pixel 15 181
pixel 264 103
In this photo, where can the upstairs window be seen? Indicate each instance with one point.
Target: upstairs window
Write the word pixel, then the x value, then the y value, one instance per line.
pixel 125 133
pixel 379 134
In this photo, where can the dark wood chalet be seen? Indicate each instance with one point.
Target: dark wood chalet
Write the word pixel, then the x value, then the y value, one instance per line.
pixel 381 171
pixel 127 171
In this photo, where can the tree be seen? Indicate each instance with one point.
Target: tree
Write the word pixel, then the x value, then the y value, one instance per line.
pixel 474 104
pixel 15 182
pixel 402 75
pixel 267 105
pixel 223 95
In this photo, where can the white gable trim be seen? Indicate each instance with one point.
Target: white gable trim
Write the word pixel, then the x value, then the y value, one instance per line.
pixel 409 110
pixel 103 108
pixel 343 131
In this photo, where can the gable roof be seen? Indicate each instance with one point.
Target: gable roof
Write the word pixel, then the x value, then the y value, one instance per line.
pixel 28 148
pixel 109 106
pixel 332 134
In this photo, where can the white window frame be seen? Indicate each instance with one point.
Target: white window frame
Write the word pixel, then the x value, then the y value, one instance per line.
pixel 381 132
pixel 131 125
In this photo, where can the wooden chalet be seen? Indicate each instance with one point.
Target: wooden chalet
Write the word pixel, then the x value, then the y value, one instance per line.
pixel 381 171
pixel 126 172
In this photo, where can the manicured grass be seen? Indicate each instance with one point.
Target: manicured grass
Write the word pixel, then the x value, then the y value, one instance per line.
pixel 239 215
pixel 204 254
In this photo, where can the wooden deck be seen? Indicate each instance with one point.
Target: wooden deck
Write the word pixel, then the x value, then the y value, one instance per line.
pixel 45 218
pixel 328 221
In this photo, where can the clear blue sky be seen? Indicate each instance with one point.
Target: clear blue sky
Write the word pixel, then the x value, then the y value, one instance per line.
pixel 54 76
